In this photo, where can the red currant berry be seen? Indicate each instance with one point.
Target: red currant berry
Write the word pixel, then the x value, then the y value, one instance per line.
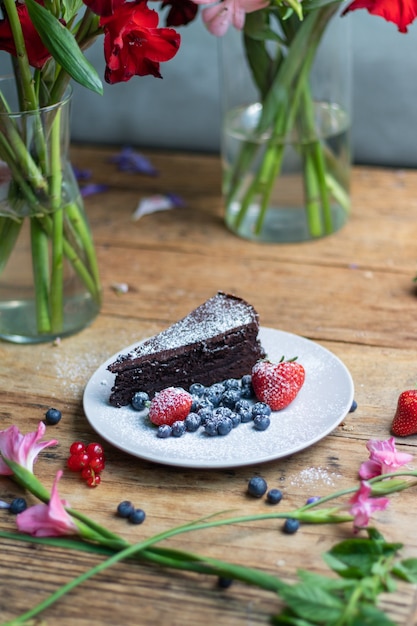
pixel 87 472
pixel 97 464
pixel 93 481
pixel 77 447
pixel 77 462
pixel 94 449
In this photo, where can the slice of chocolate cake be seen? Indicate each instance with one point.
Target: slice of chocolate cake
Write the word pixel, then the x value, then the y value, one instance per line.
pixel 218 340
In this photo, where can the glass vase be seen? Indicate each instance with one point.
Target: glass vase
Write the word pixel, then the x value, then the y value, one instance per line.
pixel 286 155
pixel 49 281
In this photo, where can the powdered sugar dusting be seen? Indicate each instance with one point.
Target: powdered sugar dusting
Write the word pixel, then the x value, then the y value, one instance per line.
pixel 315 476
pixel 214 317
pixel 322 403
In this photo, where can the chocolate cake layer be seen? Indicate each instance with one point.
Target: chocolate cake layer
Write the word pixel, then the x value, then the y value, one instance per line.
pixel 218 340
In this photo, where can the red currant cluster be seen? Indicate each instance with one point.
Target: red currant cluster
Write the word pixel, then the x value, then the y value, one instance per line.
pixel 88 460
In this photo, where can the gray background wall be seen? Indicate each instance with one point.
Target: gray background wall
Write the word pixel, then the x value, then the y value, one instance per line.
pixel 182 111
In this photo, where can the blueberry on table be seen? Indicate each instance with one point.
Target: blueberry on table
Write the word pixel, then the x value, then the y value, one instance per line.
pixel 137 516
pixel 17 505
pixel 353 407
pixel 291 526
pixel 223 582
pixel 274 496
pixel 125 508
pixel 52 416
pixel 257 486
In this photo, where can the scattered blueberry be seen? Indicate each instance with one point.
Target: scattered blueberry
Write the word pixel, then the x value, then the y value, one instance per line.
pixel 291 526
pixel 140 401
pixel 274 496
pixel 261 408
pixel 164 431
pixel 257 486
pixel 197 389
pixel 17 505
pixel 223 582
pixel 178 429
pixel 137 516
pixel 192 422
pixel 52 416
pixel 210 427
pixel 261 422
pixel 125 508
pixel 353 407
pixel 224 426
pixel 312 499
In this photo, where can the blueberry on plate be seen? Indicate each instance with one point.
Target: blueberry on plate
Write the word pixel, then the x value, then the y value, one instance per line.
pixel 261 422
pixel 140 400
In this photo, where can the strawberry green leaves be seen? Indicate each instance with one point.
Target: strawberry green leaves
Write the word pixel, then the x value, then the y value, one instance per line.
pixel 63 47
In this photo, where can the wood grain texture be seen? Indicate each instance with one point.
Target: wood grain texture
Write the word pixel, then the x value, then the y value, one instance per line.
pixel 352 292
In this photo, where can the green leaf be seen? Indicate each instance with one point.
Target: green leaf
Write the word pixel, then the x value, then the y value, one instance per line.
pixel 325 582
pixel 406 570
pixel 288 617
pixel 309 599
pixel 355 558
pixel 369 615
pixel 63 47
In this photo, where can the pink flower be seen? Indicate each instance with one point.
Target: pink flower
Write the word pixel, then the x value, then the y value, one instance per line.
pixel 47 520
pixel 22 449
pixel 363 506
pixel 383 458
pixel 219 17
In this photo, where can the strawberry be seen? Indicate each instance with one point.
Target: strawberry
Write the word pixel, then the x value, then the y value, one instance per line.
pixel 405 418
pixel 170 405
pixel 277 384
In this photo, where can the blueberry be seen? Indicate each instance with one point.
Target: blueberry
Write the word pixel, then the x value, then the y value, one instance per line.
pixel 125 508
pixel 17 505
pixel 231 383
pixel 52 416
pixel 205 414
pixel 221 412
pixel 353 407
pixel 224 426
pixel 247 392
pixel 274 496
pixel 257 486
pixel 312 499
pixel 178 428
pixel 246 380
pixel 164 431
pixel 244 409
pixel 236 419
pixel 137 516
pixel 261 408
pixel 197 389
pixel 192 422
pixel 140 400
pixel 291 526
pixel 230 397
pixel 261 422
pixel 223 582
pixel 214 396
pixel 210 427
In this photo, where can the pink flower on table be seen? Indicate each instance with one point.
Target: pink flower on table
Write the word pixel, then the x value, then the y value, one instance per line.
pixel 22 449
pixel 362 506
pixel 48 520
pixel 219 17
pixel 383 458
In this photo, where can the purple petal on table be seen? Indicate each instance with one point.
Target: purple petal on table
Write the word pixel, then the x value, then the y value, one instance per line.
pixel 81 174
pixel 158 202
pixel 92 188
pixel 134 162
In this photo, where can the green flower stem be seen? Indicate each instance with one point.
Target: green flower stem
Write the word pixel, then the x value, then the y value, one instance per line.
pixel 9 232
pixel 86 244
pixel 26 84
pixel 40 265
pixel 56 294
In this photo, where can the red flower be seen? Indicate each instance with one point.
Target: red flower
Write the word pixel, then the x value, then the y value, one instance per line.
pixel 181 12
pixel 401 12
pixel 103 7
pixel 36 51
pixel 133 45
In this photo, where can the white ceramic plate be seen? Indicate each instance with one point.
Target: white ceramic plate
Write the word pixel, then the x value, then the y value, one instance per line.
pixel 322 403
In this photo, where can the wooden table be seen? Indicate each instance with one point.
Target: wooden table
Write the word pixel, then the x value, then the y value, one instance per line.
pixel 352 292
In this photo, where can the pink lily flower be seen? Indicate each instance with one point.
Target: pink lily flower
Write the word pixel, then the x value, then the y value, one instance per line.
pixel 383 459
pixel 22 449
pixel 362 506
pixel 219 17
pixel 48 520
